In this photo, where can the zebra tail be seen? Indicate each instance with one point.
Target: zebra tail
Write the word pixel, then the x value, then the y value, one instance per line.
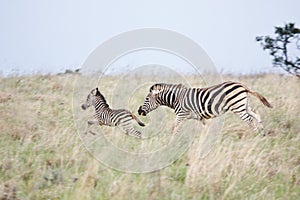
pixel 260 97
pixel 137 120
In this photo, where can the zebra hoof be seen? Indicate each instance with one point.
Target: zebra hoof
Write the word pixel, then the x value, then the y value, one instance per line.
pixel 83 107
pixel 91 132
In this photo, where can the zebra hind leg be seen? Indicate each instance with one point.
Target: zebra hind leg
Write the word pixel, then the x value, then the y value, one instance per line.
pixel 133 132
pixel 259 125
pixel 244 111
pixel 251 118
pixel 129 130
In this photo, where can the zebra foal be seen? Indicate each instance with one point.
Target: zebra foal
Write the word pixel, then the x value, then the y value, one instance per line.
pixel 110 117
pixel 204 103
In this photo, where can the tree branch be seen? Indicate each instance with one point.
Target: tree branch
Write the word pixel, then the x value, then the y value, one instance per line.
pixel 278 47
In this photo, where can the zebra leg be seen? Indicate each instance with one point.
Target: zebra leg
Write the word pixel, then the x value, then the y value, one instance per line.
pixel 244 111
pixel 129 130
pixel 133 132
pixel 180 119
pixel 246 117
pixel 249 116
pixel 90 123
pixel 203 121
pixel 256 116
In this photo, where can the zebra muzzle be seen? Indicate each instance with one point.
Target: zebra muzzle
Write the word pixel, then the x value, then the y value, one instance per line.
pixel 141 112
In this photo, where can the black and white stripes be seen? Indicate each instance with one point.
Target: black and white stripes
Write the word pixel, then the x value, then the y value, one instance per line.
pixel 204 103
pixel 111 117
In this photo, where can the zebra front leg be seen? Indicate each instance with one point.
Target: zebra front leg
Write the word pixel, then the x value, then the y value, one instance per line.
pixel 203 122
pixel 179 123
pixel 90 123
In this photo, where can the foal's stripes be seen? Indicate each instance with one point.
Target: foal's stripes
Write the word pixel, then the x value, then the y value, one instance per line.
pixel 111 117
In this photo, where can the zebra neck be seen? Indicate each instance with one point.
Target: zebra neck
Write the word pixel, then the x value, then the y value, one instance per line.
pixel 171 97
pixel 100 103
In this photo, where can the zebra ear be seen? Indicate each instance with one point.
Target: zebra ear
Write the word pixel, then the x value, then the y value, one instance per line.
pixel 95 91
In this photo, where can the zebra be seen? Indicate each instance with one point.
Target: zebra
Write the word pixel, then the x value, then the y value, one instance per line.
pixel 204 103
pixel 110 117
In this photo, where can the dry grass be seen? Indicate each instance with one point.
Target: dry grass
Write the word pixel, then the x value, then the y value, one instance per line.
pixel 42 156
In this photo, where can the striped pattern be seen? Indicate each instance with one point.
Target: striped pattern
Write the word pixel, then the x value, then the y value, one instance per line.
pixel 110 117
pixel 204 103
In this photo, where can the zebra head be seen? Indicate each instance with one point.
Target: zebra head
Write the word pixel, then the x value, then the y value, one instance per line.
pixel 151 101
pixel 90 100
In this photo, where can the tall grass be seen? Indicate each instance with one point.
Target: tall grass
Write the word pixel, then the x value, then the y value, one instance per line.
pixel 42 156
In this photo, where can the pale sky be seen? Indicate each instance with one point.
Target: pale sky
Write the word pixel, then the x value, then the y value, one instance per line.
pixel 54 35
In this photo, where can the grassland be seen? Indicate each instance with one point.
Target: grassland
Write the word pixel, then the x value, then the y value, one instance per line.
pixel 42 156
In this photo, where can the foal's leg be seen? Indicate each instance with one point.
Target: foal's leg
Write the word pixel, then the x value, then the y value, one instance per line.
pixel 90 123
pixel 130 130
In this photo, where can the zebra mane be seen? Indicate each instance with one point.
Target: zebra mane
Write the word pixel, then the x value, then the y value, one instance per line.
pixel 164 85
pixel 99 95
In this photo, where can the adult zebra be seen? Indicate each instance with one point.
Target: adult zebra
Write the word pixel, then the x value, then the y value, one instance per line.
pixel 106 116
pixel 203 103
